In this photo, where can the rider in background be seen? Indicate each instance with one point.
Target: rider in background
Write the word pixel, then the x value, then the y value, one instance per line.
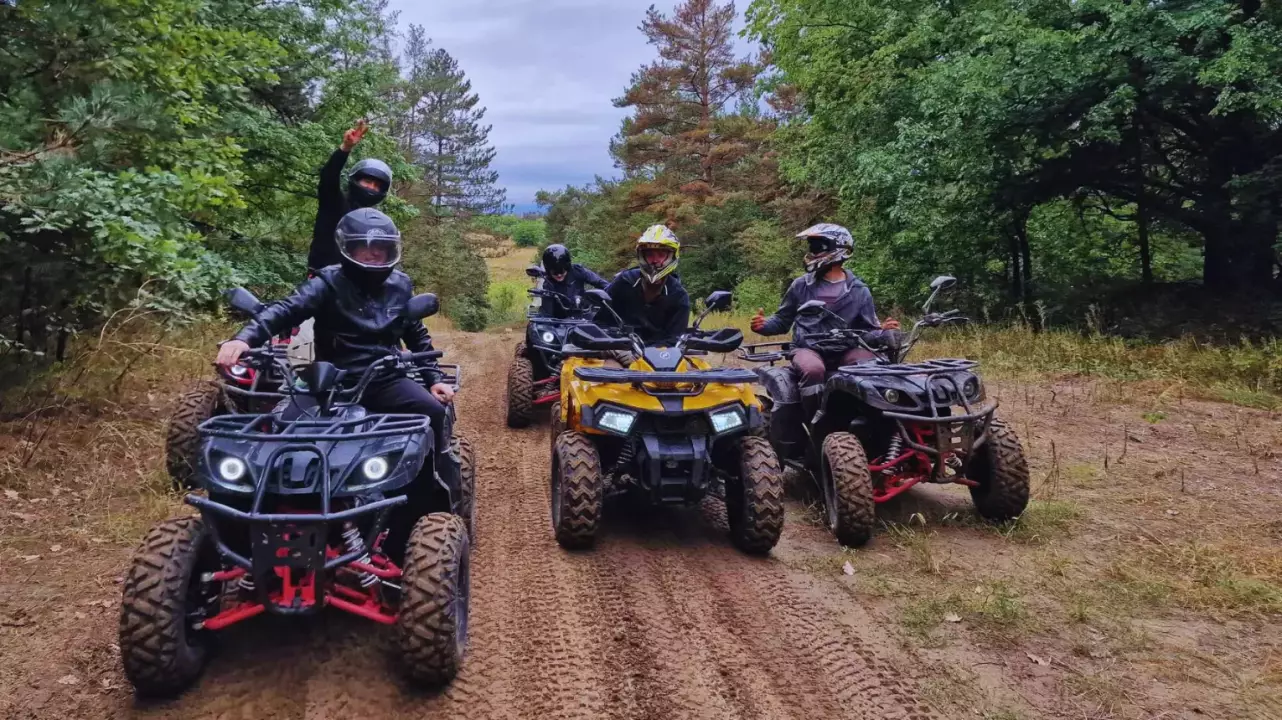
pixel 367 185
pixel 844 294
pixel 565 277
pixel 649 297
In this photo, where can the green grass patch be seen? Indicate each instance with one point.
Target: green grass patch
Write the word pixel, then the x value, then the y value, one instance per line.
pixel 1042 520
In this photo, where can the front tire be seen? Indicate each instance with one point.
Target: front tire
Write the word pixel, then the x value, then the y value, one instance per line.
pixel 754 499
pixel 182 439
pixel 431 627
pixel 577 492
pixel 162 654
pixel 847 489
pixel 520 393
pixel 1002 473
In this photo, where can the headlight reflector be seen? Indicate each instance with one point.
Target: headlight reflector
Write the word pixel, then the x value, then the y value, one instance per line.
pixel 726 419
pixel 239 370
pixel 970 388
pixel 375 468
pixel 616 420
pixel 548 337
pixel 891 395
pixel 231 469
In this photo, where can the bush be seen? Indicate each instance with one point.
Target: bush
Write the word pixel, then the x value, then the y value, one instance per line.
pixel 529 233
pixel 753 293
pixel 467 313
pixel 507 301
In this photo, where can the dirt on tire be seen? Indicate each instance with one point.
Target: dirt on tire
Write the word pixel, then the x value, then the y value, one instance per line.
pixel 754 499
pixel 520 392
pixel 431 628
pixel 852 513
pixel 182 439
pixel 1002 473
pixel 577 491
pixel 162 655
pixel 467 474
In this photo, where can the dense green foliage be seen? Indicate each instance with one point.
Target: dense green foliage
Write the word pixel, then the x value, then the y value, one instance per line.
pixel 1052 155
pixel 152 154
pixel 525 232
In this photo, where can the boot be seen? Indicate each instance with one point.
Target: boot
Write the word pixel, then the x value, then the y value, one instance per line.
pixel 810 407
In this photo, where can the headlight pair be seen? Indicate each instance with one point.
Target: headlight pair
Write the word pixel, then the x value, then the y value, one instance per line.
pixel 233 469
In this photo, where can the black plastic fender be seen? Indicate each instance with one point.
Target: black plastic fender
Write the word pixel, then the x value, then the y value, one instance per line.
pixel 785 432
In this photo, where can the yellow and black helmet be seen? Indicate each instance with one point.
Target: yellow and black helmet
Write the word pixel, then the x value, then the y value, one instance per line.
pixel 658 237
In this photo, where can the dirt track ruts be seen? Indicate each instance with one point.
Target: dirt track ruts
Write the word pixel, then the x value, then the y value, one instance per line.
pixel 663 619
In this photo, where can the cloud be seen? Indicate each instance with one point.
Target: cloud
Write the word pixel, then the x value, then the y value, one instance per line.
pixel 546 70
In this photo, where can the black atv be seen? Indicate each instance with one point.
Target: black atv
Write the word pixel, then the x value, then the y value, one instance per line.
pixel 311 505
pixel 533 380
pixel 886 425
pixel 253 385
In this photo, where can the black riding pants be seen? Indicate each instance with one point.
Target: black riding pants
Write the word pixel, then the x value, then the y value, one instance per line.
pixel 405 396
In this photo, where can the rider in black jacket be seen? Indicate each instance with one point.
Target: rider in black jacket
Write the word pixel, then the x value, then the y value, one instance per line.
pixel 367 186
pixel 359 307
pixel 565 277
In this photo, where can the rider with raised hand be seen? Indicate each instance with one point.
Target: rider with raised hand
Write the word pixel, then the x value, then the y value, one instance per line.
pixel 565 277
pixel 844 294
pixel 367 185
pixel 360 310
pixel 649 297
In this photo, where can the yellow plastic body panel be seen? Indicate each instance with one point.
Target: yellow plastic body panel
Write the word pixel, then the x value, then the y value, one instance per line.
pixel 577 394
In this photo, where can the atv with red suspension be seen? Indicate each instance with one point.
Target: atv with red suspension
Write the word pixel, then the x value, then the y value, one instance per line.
pixel 886 425
pixel 318 503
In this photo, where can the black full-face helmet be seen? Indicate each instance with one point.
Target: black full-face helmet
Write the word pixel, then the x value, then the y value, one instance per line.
pixel 369 169
pixel 556 259
pixel 369 243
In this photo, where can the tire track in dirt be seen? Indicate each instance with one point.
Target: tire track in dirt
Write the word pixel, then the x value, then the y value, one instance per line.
pixel 663 619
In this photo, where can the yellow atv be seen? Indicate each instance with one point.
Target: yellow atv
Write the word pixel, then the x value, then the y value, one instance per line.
pixel 669 429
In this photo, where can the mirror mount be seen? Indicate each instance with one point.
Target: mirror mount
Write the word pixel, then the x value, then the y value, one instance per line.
pixel 938 285
pixel 717 301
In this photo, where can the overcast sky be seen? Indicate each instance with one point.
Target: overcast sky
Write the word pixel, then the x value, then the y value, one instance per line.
pixel 547 71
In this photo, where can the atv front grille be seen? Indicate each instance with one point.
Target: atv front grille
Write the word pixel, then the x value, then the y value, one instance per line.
pixel 690 425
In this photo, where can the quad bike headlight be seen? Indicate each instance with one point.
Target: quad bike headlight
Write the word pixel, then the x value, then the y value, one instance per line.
pixel 239 370
pixel 548 337
pixel 619 421
pixel 971 388
pixel 375 468
pixel 727 419
pixel 231 469
pixel 891 395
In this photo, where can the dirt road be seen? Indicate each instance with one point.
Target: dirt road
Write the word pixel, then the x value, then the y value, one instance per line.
pixel 662 620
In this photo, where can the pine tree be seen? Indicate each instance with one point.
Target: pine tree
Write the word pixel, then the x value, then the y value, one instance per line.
pixel 442 130
pixel 680 99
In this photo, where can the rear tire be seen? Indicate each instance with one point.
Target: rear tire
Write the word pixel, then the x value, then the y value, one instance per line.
pixel 577 493
pixel 1002 473
pixel 754 499
pixel 162 654
pixel 847 489
pixel 431 627
pixel 467 483
pixel 182 440
pixel 520 393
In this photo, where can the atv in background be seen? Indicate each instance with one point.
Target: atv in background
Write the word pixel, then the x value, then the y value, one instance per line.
pixel 253 385
pixel 886 425
pixel 668 430
pixel 534 376
pixel 300 510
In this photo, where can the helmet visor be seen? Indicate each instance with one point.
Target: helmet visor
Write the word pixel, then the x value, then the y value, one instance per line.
pixel 656 261
pixel 371 251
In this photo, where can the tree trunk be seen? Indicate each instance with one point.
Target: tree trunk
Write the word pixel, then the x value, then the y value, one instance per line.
pixel 1012 263
pixel 1026 259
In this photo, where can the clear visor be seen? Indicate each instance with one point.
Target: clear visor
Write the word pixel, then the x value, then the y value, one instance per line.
pixel 656 257
pixel 371 252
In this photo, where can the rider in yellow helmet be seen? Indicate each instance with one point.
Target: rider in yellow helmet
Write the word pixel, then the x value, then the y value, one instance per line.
pixel 650 297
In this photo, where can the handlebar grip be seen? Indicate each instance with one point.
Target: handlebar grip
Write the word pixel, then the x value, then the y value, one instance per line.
pixel 424 355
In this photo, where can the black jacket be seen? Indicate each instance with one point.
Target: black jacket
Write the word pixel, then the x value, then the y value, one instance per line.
pixel 855 307
pixel 331 207
pixel 353 327
pixel 658 323
pixel 572 287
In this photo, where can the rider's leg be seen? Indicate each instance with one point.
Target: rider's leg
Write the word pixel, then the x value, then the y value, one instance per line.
pixel 405 396
pixel 810 380
pixel 853 356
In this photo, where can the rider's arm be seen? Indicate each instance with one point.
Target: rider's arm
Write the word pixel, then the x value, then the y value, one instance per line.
pixel 617 290
pixel 329 190
pixel 865 311
pixel 591 278
pixel 417 339
pixel 779 323
pixel 287 313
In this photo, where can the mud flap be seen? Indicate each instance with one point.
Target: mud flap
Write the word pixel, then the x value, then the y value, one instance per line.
pixel 786 416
